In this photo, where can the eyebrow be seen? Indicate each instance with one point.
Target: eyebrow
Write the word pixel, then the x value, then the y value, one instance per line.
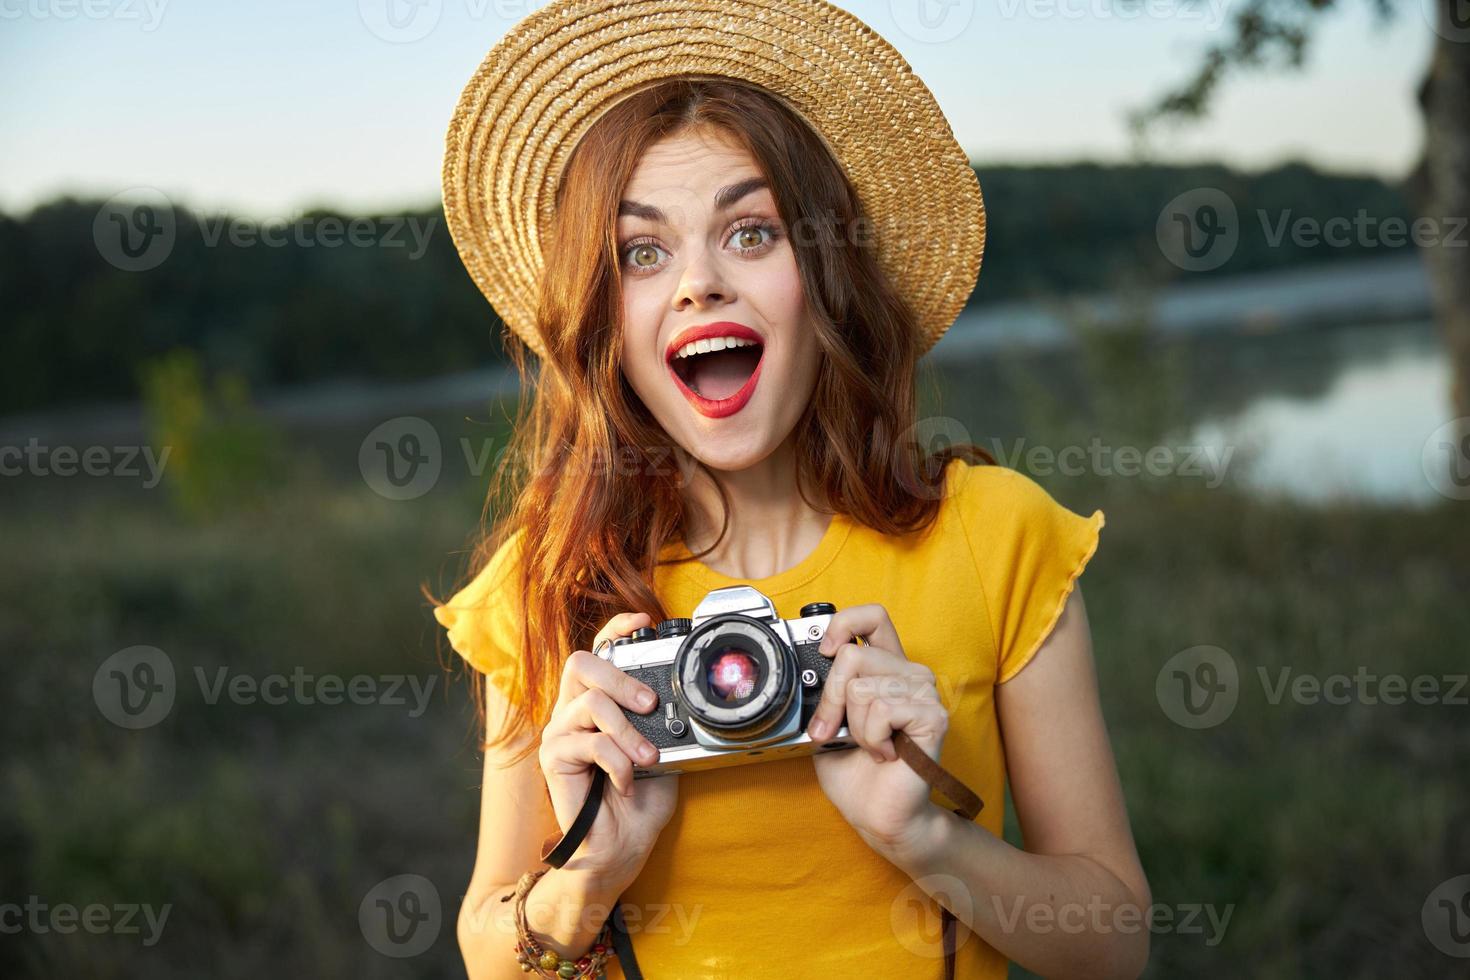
pixel 724 197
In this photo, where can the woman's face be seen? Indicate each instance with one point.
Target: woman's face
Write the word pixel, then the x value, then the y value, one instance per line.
pixel 705 258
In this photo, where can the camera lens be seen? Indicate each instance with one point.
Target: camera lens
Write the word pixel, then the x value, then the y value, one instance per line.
pixel 735 677
pixel 732 675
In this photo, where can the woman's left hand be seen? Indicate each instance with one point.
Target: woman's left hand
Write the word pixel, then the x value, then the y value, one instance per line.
pixel 881 692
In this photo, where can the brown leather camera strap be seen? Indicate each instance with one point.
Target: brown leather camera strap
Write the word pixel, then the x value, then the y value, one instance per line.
pixel 559 848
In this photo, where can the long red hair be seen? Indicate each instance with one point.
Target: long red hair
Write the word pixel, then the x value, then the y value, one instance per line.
pixel 584 475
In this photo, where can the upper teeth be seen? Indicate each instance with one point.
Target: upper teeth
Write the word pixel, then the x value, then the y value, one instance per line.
pixel 711 343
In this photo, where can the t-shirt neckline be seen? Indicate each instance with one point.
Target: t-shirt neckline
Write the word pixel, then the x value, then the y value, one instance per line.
pixel 833 539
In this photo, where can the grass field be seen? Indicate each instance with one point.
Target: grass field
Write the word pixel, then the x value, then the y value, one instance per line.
pixel 1322 828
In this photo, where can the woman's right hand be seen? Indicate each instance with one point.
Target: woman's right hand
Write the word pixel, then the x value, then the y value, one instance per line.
pixel 587 731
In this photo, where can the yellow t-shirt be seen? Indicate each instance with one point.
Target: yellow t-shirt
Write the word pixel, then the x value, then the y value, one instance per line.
pixel 757 876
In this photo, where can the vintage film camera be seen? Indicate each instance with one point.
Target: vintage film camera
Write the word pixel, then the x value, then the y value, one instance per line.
pixel 736 684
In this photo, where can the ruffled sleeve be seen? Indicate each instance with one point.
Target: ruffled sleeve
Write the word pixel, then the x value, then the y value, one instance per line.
pixel 485 618
pixel 1029 551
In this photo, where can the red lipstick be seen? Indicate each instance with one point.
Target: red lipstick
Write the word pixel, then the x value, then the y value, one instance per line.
pixel 725 406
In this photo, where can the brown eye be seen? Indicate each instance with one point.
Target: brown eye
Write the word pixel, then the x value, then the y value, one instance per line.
pixel 751 237
pixel 641 252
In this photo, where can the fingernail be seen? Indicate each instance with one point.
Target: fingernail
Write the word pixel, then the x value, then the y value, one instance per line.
pixel 819 729
pixel 647 753
pixel 645 699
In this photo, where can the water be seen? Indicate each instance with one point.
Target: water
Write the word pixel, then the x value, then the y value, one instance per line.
pixel 1312 413
pixel 1307 407
pixel 1363 436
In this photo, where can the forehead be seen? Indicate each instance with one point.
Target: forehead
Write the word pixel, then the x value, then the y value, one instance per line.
pixel 693 164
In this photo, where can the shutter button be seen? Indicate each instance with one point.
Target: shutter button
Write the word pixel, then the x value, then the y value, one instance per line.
pixel 672 721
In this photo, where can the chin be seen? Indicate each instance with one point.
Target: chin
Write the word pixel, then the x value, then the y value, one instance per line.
pixel 731 453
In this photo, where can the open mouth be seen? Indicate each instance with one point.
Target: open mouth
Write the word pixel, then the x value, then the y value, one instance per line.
pixel 718 375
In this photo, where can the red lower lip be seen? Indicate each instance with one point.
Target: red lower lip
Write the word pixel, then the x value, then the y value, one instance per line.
pixel 725 406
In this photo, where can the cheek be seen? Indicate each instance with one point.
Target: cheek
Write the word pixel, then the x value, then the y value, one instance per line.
pixel 789 306
pixel 640 336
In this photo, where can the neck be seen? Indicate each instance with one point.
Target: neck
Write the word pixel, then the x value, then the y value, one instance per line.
pixel 771 528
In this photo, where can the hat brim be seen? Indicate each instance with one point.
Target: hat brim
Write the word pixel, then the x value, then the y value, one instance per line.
pixel 560 68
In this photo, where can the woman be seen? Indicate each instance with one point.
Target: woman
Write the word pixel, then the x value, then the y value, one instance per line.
pixel 630 183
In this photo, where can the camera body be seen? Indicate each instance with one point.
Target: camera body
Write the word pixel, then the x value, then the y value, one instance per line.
pixel 736 684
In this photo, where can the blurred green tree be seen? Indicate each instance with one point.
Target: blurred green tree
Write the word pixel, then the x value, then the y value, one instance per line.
pixel 222 455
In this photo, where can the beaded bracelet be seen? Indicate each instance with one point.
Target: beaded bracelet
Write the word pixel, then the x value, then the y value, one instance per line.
pixel 534 958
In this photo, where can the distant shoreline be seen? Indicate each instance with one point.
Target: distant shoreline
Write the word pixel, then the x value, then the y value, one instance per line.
pixel 1358 291
pixel 1345 292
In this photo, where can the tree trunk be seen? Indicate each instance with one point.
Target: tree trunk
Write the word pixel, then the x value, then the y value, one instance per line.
pixel 1444 194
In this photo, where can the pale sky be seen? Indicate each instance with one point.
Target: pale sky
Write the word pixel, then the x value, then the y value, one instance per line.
pixel 270 106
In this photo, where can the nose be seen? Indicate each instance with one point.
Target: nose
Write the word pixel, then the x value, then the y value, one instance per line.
pixel 702 284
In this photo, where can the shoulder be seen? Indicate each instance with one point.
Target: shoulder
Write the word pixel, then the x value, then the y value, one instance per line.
pixel 1028 550
pixel 996 501
pixel 993 482
pixel 482 617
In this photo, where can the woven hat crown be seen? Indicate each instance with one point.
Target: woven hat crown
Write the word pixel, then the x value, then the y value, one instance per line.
pixel 540 89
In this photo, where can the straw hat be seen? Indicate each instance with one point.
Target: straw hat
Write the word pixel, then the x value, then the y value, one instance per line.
pixel 557 70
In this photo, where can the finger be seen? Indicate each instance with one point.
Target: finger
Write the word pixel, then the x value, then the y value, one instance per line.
pixel 925 723
pixel 577 752
pixel 620 625
pixel 848 662
pixel 872 697
pixel 584 671
pixel 870 621
pixel 857 705
pixel 592 711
